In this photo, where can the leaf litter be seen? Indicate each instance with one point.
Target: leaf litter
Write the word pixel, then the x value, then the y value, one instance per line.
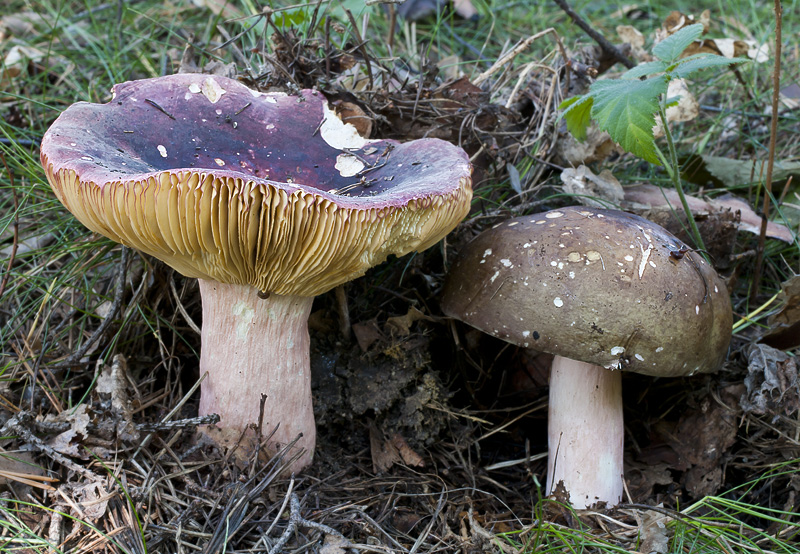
pixel 405 444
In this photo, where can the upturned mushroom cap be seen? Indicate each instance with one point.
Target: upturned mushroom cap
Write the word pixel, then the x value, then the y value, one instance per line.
pixel 597 286
pixel 265 189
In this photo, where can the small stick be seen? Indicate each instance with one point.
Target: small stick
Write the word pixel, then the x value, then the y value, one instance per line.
pixel 773 133
pixel 516 51
pixel 344 311
pixel 295 521
pixel 159 108
pixel 20 425
pixel 607 47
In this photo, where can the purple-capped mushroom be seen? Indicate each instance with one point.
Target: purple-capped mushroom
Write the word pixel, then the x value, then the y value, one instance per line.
pixel 257 195
pixel 606 292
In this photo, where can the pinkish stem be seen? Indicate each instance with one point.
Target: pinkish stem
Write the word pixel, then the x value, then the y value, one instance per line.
pixel 585 432
pixel 253 346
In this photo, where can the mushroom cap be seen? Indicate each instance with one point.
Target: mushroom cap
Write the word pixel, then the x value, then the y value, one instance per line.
pixel 225 183
pixel 598 286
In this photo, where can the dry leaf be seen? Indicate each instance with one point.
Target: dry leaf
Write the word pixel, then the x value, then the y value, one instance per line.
pixel 409 456
pixel 728 47
pixel 23 24
pixel 352 113
pixel 595 147
pixel 653 533
pixel 112 384
pixel 676 21
pixel 641 198
pixel 401 325
pixel 465 9
pixel 384 453
pixel 334 544
pixel 70 442
pixel 220 7
pixel 366 333
pixel 90 498
pixel 785 324
pixel 772 384
pixel 631 35
pixel 790 96
pixel 686 109
pixel 702 438
pixel 593 190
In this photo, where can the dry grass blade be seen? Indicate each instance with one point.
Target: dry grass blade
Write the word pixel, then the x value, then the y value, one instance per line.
pixel 30 479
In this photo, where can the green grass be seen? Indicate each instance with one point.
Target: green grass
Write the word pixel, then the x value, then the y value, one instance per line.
pixel 63 277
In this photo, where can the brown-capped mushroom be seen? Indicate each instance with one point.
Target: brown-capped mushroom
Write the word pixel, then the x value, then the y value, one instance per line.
pixel 257 195
pixel 605 291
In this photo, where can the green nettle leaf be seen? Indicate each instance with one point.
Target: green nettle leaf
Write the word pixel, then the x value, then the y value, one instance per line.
pixel 645 69
pixel 671 48
pixel 626 107
pixel 626 110
pixel 696 63
pixel 577 114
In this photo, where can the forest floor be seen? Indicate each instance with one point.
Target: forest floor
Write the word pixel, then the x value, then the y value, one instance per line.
pixel 431 435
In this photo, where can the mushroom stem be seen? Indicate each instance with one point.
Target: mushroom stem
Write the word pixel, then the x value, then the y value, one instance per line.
pixel 585 432
pixel 253 346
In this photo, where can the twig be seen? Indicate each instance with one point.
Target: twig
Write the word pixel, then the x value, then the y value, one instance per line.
pixel 606 46
pixel 773 133
pixel 172 412
pixel 20 426
pixel 516 51
pixel 361 47
pixel 119 292
pixel 209 419
pixel 20 142
pixel 295 521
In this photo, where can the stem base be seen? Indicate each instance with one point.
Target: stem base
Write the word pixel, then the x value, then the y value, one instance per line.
pixel 253 346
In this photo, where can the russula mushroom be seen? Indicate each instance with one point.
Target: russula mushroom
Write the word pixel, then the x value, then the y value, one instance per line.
pixel 604 291
pixel 268 199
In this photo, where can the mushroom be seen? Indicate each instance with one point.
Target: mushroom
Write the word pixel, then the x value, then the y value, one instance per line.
pixel 604 291
pixel 268 199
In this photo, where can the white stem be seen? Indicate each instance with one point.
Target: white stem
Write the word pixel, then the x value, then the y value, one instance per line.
pixel 585 432
pixel 253 346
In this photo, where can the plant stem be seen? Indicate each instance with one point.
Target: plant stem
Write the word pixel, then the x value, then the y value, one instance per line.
pixel 773 132
pixel 674 170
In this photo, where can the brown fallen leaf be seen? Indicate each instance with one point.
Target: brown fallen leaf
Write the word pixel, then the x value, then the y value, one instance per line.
pixel 772 383
pixel 409 456
pixel 727 47
pixel 384 453
pixel 595 147
pixel 785 324
pixel 112 384
pixel 687 108
pixel 703 436
pixel 631 35
pixel 352 113
pixel 401 325
pixel 790 96
pixel 367 333
pixel 653 533
pixel 593 190
pixel 644 197
pixel 465 9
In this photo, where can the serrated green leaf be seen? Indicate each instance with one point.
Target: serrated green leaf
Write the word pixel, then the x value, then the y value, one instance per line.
pixel 671 48
pixel 645 69
pixel 626 110
pixel 690 65
pixel 577 114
